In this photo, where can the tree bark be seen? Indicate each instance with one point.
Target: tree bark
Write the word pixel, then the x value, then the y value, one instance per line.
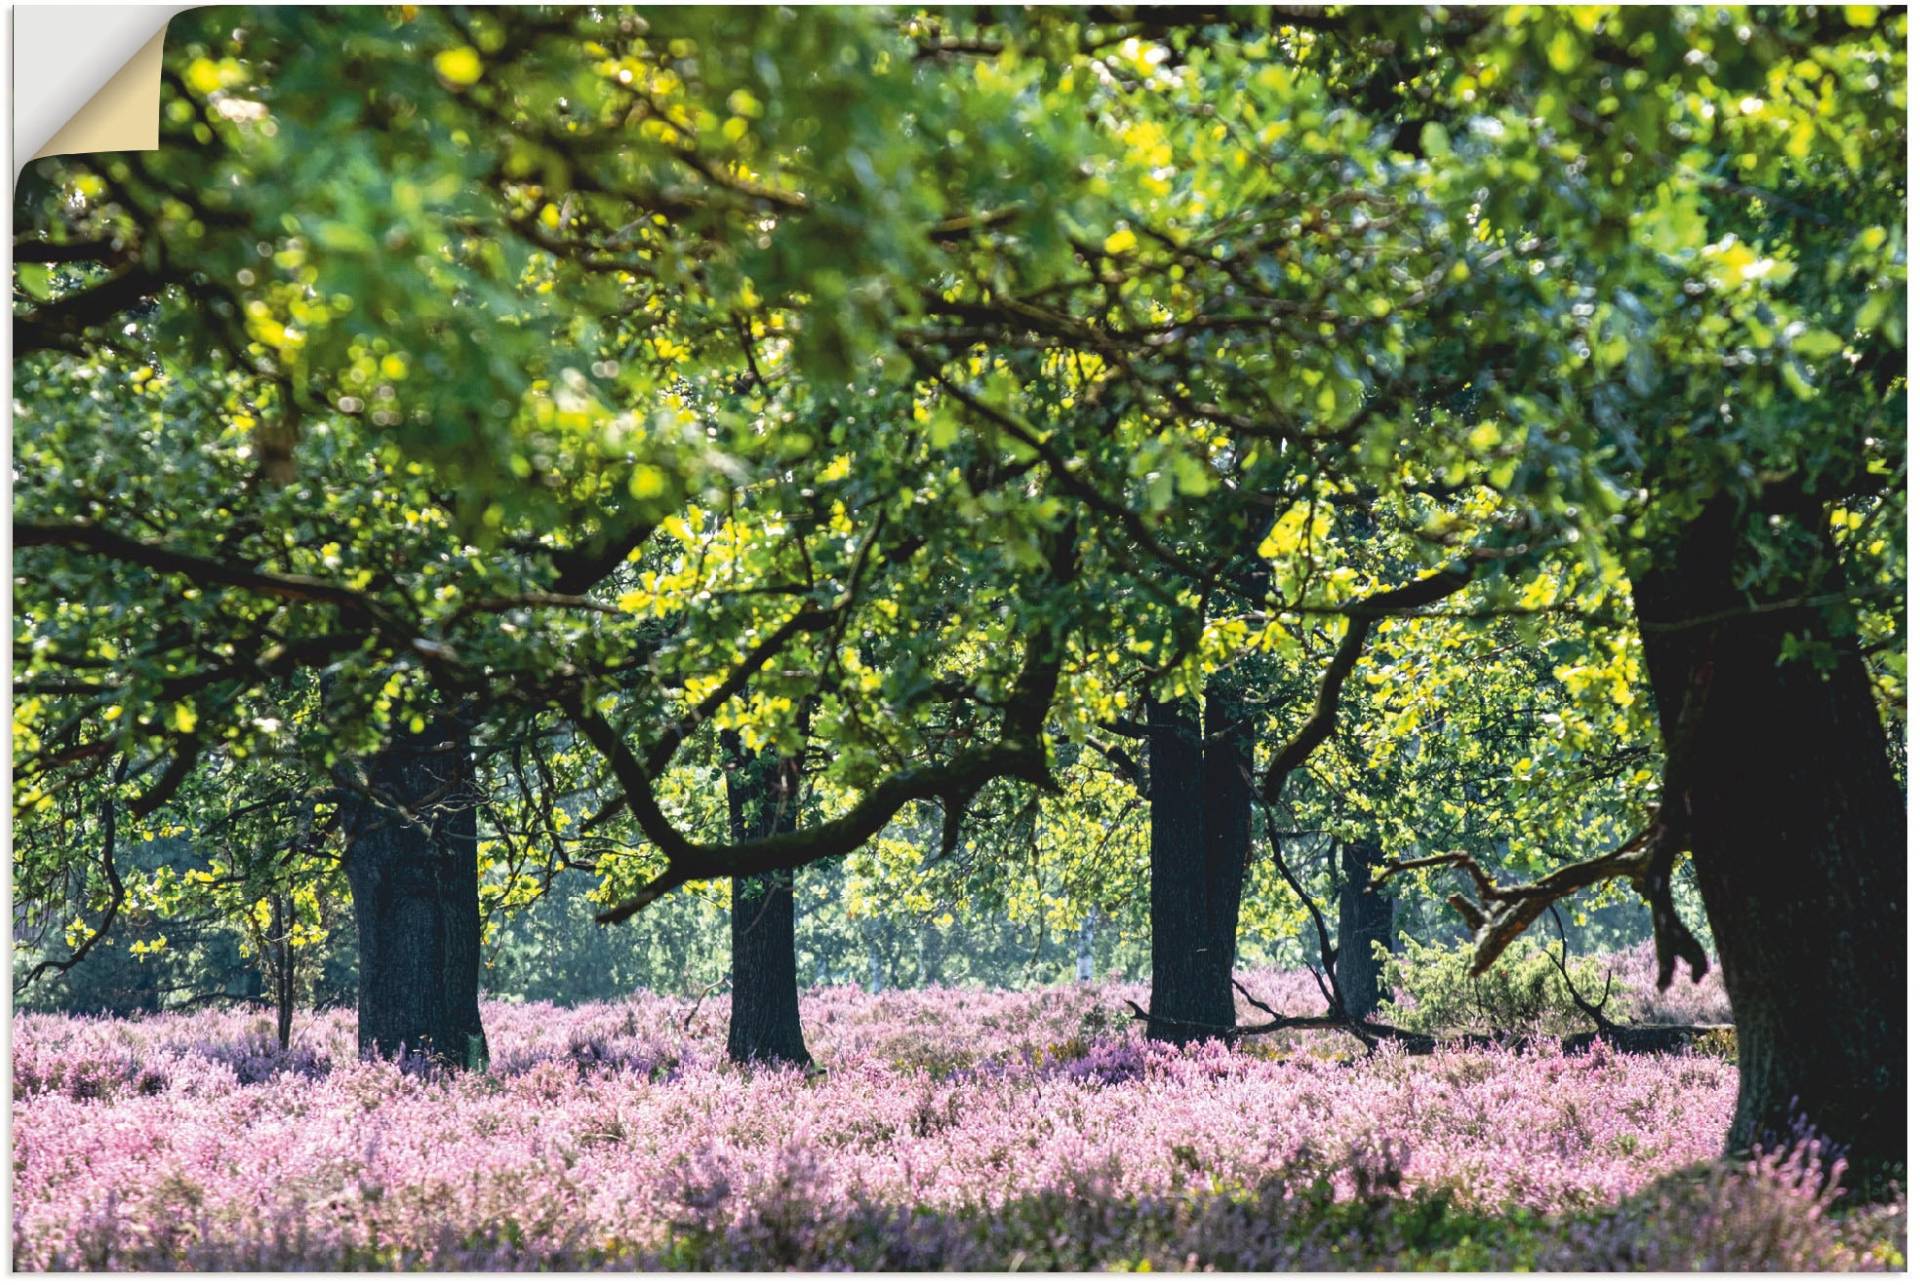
pixel 280 934
pixel 1201 823
pixel 411 862
pixel 1797 830
pixel 1366 917
pixel 762 797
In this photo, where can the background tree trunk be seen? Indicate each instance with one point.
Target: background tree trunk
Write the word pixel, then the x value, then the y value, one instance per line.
pixel 411 861
pixel 1083 958
pixel 280 934
pixel 1201 824
pixel 762 797
pixel 1798 841
pixel 1366 917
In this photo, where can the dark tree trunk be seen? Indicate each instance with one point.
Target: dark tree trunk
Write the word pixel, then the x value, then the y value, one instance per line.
pixel 1366 917
pixel 762 795
pixel 411 857
pixel 1201 800
pixel 281 934
pixel 1798 841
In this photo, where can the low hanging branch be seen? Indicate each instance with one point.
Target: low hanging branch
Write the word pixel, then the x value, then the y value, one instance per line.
pixel 1647 859
pixel 1018 752
pixel 1596 1012
pixel 1627 1039
pixel 1503 913
pixel 1329 953
pixel 1498 928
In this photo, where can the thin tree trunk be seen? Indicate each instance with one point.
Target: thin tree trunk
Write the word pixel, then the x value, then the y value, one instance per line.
pixel 411 857
pixel 1083 961
pixel 1798 839
pixel 1200 811
pixel 762 795
pixel 280 933
pixel 1366 917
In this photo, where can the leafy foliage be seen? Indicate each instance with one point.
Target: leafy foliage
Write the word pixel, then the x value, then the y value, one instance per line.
pixel 917 393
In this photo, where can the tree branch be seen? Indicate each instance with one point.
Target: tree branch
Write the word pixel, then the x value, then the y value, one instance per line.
pixel 1361 618
pixel 117 890
pixel 61 323
pixel 1067 475
pixel 1329 953
pixel 1019 752
pixel 87 538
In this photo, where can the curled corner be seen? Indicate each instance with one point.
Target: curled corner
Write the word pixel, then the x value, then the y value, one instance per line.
pixel 86 79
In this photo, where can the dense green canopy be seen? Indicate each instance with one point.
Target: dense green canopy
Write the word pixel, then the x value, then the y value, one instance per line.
pixel 922 390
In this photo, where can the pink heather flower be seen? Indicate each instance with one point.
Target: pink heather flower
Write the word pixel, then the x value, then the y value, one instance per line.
pixel 608 1135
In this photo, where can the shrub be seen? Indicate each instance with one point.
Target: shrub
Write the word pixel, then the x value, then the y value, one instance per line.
pixel 1522 994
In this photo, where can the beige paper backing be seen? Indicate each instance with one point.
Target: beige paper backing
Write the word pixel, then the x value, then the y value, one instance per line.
pixel 124 116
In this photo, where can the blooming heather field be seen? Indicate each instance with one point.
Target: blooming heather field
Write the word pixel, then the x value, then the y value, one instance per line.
pixel 946 1128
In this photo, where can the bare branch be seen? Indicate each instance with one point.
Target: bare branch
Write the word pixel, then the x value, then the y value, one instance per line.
pixel 1329 953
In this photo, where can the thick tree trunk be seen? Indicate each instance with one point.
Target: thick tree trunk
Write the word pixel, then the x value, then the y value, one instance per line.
pixel 1366 917
pixel 765 1022
pixel 411 861
pixel 1798 840
pixel 1201 827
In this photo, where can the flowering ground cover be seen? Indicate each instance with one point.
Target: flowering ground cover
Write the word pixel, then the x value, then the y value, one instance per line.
pixel 942 1128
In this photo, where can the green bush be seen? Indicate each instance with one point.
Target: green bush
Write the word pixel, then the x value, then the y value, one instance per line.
pixel 1521 994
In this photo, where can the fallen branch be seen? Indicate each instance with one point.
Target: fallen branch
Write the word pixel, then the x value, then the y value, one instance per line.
pixel 1368 1033
pixel 1643 1039
pixel 1627 1039
pixel 1624 1039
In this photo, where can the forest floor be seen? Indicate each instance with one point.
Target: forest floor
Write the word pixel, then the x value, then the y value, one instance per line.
pixel 942 1128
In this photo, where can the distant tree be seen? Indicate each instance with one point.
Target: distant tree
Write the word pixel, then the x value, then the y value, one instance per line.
pixel 1596 315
